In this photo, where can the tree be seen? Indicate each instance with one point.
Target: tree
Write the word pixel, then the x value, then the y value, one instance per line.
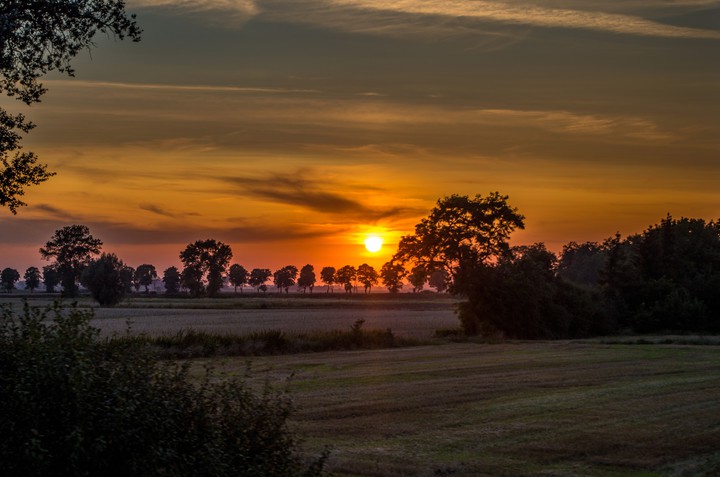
pixel 32 278
pixel 392 275
pixel 8 277
pixel 582 263
pixel 307 278
pixel 438 279
pixel 144 275
pixel 345 276
pixel 285 277
pixel 258 277
pixel 461 232
pixel 418 277
pixel 205 259
pixel 72 248
pixel 51 278
pixel 103 277
pixel 237 276
pixel 368 276
pixel 327 275
pixel 171 279
pixel 127 275
pixel 35 38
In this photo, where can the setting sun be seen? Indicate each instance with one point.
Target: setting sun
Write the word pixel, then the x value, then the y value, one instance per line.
pixel 373 243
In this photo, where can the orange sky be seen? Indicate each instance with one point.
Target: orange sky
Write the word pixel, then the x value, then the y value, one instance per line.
pixel 291 137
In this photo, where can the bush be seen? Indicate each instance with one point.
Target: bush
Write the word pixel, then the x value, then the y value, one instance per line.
pixel 73 404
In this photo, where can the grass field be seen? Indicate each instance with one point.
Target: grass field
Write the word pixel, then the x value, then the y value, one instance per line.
pixel 550 408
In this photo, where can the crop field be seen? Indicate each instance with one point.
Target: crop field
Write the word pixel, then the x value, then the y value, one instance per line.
pixel 543 408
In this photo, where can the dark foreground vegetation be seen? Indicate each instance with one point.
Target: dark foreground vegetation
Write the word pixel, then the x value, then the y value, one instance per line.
pixel 74 404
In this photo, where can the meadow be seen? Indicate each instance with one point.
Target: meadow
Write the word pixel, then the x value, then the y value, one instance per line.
pixel 621 405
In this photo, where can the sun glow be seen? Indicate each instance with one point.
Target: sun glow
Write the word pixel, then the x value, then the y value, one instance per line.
pixel 373 243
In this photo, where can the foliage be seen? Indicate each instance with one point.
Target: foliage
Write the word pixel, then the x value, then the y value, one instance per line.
pixel 439 280
pixel 237 276
pixel 327 275
pixel 144 275
pixel 583 263
pixel 171 279
pixel 392 275
pixel 32 278
pixel 72 247
pixel 103 277
pixel 285 277
pixel 51 278
pixel 346 276
pixel 127 275
pixel 205 259
pixel 258 277
pixel 461 232
pixel 35 38
pixel 307 278
pixel 77 405
pixel 8 277
pixel 418 277
pixel 368 276
pixel 666 278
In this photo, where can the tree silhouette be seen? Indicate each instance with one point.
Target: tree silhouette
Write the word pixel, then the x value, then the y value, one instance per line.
pixel 8 277
pixel 307 278
pixel 417 278
pixel 346 276
pixel 37 37
pixel 171 279
pixel 127 274
pixel 144 275
pixel 237 276
pixel 51 278
pixel 327 275
pixel 32 278
pixel 258 277
pixel 104 280
pixel 285 277
pixel 205 258
pixel 392 275
pixel 368 276
pixel 72 248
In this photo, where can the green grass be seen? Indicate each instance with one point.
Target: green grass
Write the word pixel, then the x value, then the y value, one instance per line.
pixel 465 409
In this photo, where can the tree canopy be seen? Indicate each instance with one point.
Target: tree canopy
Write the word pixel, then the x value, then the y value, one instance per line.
pixel 285 277
pixel 237 276
pixel 307 278
pixel 8 277
pixel 205 258
pixel 103 277
pixel 37 37
pixel 71 248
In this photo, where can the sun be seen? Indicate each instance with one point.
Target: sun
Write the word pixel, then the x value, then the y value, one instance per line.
pixel 373 243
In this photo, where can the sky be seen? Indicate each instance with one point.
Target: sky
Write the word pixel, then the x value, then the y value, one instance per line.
pixel 292 129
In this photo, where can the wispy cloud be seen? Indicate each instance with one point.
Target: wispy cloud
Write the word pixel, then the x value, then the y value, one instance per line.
pixel 174 87
pixel 156 210
pixel 236 11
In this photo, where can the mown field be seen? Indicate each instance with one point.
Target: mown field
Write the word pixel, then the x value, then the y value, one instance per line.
pixel 549 408
pixel 565 408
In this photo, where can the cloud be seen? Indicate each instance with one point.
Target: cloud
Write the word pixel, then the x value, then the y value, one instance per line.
pixel 381 16
pixel 235 11
pixel 298 191
pixel 156 210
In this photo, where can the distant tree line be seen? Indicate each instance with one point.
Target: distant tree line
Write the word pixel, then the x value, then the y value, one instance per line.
pixel 665 279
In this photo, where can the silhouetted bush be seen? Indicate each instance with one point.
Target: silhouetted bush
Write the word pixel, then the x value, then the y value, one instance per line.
pixel 73 404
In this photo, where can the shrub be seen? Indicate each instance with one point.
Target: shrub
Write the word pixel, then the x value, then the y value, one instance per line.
pixel 74 404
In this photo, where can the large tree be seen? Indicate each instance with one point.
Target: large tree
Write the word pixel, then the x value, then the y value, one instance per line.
pixel 460 232
pixel 144 275
pixel 285 277
pixel 327 275
pixel 103 277
pixel 8 277
pixel 307 278
pixel 207 259
pixel 237 276
pixel 392 275
pixel 37 37
pixel 32 278
pixel 71 248
pixel 368 276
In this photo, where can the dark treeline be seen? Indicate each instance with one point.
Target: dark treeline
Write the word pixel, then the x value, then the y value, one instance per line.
pixel 664 279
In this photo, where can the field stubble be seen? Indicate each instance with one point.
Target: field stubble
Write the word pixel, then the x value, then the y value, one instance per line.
pixel 463 409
